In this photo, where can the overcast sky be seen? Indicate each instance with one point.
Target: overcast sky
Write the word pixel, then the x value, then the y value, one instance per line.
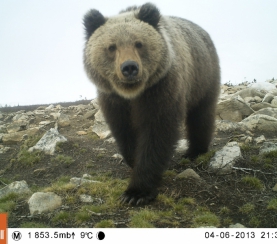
pixel 42 41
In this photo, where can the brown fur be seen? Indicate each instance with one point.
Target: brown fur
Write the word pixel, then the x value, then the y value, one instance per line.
pixel 176 80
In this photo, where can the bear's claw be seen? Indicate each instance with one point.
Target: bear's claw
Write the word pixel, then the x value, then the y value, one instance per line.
pixel 137 198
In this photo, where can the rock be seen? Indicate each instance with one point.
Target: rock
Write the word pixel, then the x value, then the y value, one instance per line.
pixel 268 147
pixel 274 102
pixel 237 225
pixel 81 133
pixel 86 198
pixel 95 104
pixel 41 202
pixel 224 159
pixel 18 187
pixel 188 174
pixel 19 117
pixel 268 111
pixel 117 156
pixel 182 146
pixel 81 181
pixel 274 188
pixel 234 109
pixel 228 126
pixel 262 86
pixel 260 139
pixel 3 129
pixel 63 120
pixel 261 105
pixel 46 122
pixel 48 142
pixel 50 107
pixel 16 137
pixel 260 122
pixel 55 115
pixel 100 127
pixel 268 98
pixel 4 149
pixel 18 125
pixel 250 92
pixel 90 114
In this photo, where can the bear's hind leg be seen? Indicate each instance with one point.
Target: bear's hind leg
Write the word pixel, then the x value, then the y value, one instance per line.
pixel 200 122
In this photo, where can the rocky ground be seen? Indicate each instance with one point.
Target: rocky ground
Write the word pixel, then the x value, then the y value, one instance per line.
pixel 60 167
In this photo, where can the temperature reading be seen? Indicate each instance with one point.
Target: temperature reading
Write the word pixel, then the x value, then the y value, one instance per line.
pixel 88 235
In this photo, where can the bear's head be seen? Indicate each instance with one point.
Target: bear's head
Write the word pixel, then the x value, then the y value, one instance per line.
pixel 127 53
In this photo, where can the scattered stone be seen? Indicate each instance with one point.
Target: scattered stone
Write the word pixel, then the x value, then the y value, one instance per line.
pixel 48 142
pixel 229 126
pixel 274 188
pixel 274 101
pixel 63 120
pixel 182 146
pixel 100 127
pixel 268 98
pixel 268 111
pixel 16 137
pixel 50 107
pixel 90 114
pixel 110 140
pixel 258 106
pixel 18 187
pixel 117 156
pixel 95 104
pixel 188 174
pixel 41 202
pixel 262 86
pixel 3 129
pixel 260 139
pixel 80 181
pixel 86 198
pixel 234 109
pixel 268 147
pixel 224 159
pixel 237 225
pixel 81 133
pixel 4 149
pixel 18 125
pixel 19 117
pixel 250 92
pixel 260 122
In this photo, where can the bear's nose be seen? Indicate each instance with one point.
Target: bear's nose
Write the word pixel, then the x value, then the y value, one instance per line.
pixel 129 69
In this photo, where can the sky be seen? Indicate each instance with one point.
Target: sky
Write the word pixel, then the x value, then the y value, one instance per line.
pixel 42 42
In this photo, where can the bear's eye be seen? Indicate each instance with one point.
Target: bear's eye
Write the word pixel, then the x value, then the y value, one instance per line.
pixel 112 48
pixel 138 45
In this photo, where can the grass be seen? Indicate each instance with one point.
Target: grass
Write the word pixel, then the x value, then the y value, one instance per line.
pixel 253 182
pixel 143 219
pixel 28 158
pixel 206 219
pixel 247 208
pixel 61 218
pixel 105 224
pixel 8 203
pixel 272 204
pixel 63 159
pixel 204 159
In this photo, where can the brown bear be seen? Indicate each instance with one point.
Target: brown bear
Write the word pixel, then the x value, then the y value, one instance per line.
pixel 153 74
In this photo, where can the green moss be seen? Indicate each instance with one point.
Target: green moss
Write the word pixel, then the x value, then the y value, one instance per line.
pixel 254 222
pixel 62 218
pixel 206 219
pixel 105 224
pixel 28 158
pixel 204 159
pixel 63 159
pixel 33 225
pixel 247 208
pixel 252 182
pixel 169 174
pixel 272 205
pixel 224 210
pixel 82 216
pixel 143 219
pixel 165 199
pixel 187 201
pixel 184 161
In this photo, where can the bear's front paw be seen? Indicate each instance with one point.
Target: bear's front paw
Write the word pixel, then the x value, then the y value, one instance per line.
pixel 138 197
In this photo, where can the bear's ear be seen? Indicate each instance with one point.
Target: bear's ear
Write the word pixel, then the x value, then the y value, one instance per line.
pixel 93 20
pixel 150 14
